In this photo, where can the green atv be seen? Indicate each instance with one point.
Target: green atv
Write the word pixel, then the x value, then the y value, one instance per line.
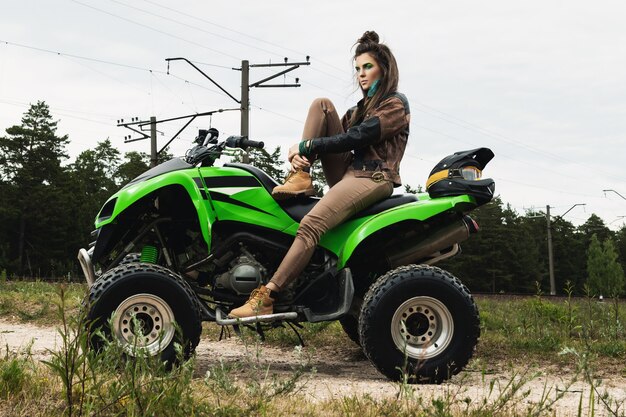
pixel 187 241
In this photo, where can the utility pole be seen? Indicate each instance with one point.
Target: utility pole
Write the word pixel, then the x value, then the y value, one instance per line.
pixel 550 250
pixel 153 143
pixel 153 135
pixel 134 121
pixel 138 126
pixel 245 104
pixel 550 254
pixel 245 89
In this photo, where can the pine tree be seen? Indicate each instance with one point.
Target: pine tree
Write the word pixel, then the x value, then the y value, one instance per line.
pixel 411 190
pixel 270 163
pixel 318 178
pixel 594 225
pixel 620 243
pixel 569 255
pixel 30 162
pixel 605 274
pixel 135 164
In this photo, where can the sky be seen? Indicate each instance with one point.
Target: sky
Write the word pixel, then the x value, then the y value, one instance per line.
pixel 542 83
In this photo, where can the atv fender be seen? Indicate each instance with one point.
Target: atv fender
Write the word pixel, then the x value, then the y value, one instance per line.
pixel 419 210
pixel 127 196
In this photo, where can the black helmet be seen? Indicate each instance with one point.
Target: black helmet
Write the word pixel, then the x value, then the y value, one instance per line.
pixel 461 173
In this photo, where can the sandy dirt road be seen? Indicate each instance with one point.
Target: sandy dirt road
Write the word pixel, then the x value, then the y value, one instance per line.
pixel 342 371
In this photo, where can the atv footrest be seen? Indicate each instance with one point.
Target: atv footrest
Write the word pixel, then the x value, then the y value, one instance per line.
pixel 223 320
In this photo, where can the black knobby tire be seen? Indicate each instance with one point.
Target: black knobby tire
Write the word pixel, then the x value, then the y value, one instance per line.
pixel 350 325
pixel 156 298
pixel 420 322
pixel 131 258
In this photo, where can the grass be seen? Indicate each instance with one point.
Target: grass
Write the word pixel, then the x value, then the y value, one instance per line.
pixel 538 328
pixel 511 327
pixel 524 336
pixel 33 301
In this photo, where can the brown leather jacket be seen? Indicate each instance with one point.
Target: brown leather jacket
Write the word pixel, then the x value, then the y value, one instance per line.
pixel 378 142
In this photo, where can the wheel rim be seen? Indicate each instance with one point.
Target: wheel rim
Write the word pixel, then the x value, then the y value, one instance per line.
pixel 423 327
pixel 144 322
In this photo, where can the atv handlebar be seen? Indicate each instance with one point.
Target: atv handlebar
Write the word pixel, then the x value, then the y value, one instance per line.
pixel 208 155
pixel 243 143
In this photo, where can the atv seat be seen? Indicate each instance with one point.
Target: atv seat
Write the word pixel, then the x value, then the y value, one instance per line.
pixel 298 207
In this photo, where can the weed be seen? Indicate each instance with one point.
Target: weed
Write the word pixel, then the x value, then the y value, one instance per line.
pixel 13 375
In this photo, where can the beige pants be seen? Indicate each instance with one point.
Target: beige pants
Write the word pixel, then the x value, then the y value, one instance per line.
pixel 347 195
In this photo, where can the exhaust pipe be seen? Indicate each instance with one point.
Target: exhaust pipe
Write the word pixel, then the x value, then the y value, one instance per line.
pixel 84 258
pixel 430 246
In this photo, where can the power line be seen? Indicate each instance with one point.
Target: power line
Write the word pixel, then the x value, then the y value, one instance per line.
pixel 497 136
pixel 471 125
pixel 500 154
pixel 101 61
pixel 192 27
pixel 107 62
pixel 239 33
pixel 106 75
pixel 23 103
pixel 481 130
pixel 278 114
pixel 546 188
pixel 155 30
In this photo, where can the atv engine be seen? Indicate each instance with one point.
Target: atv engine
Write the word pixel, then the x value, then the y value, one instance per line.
pixel 244 275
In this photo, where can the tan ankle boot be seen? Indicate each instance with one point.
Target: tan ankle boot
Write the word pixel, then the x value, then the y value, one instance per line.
pixel 260 303
pixel 297 182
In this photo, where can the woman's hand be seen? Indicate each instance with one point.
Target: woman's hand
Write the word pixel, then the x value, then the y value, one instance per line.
pixel 299 162
pixel 293 151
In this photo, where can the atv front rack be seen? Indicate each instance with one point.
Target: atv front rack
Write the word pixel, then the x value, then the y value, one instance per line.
pixel 223 320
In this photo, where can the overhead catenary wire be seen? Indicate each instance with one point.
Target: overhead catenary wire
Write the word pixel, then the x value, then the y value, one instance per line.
pixel 466 127
pixel 156 30
pixel 494 135
pixel 107 62
pixel 499 154
pixel 256 38
pixel 186 25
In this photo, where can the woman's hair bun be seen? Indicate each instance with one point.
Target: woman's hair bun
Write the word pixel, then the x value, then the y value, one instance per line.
pixel 369 37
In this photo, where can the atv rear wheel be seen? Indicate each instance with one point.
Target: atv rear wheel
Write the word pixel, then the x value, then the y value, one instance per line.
pixel 145 303
pixel 420 322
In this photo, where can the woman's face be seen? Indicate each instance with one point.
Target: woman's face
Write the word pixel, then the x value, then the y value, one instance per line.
pixel 367 70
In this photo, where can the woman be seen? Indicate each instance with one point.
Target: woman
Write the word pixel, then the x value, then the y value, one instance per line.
pixel 360 157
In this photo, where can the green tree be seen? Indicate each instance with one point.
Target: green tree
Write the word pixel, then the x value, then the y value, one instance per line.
pixel 488 261
pixel 318 178
pixel 95 169
pixel 411 190
pixel 135 164
pixel 93 181
pixel 270 163
pixel 606 276
pixel 594 225
pixel 30 162
pixel 569 255
pixel 620 243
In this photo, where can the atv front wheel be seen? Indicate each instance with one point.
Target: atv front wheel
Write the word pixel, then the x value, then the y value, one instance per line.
pixel 419 322
pixel 145 303
pixel 350 325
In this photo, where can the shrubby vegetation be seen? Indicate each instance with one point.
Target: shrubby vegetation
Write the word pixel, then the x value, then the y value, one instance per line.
pixel 522 338
pixel 47 208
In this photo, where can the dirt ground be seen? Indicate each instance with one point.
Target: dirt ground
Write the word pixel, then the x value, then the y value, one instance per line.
pixel 342 371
